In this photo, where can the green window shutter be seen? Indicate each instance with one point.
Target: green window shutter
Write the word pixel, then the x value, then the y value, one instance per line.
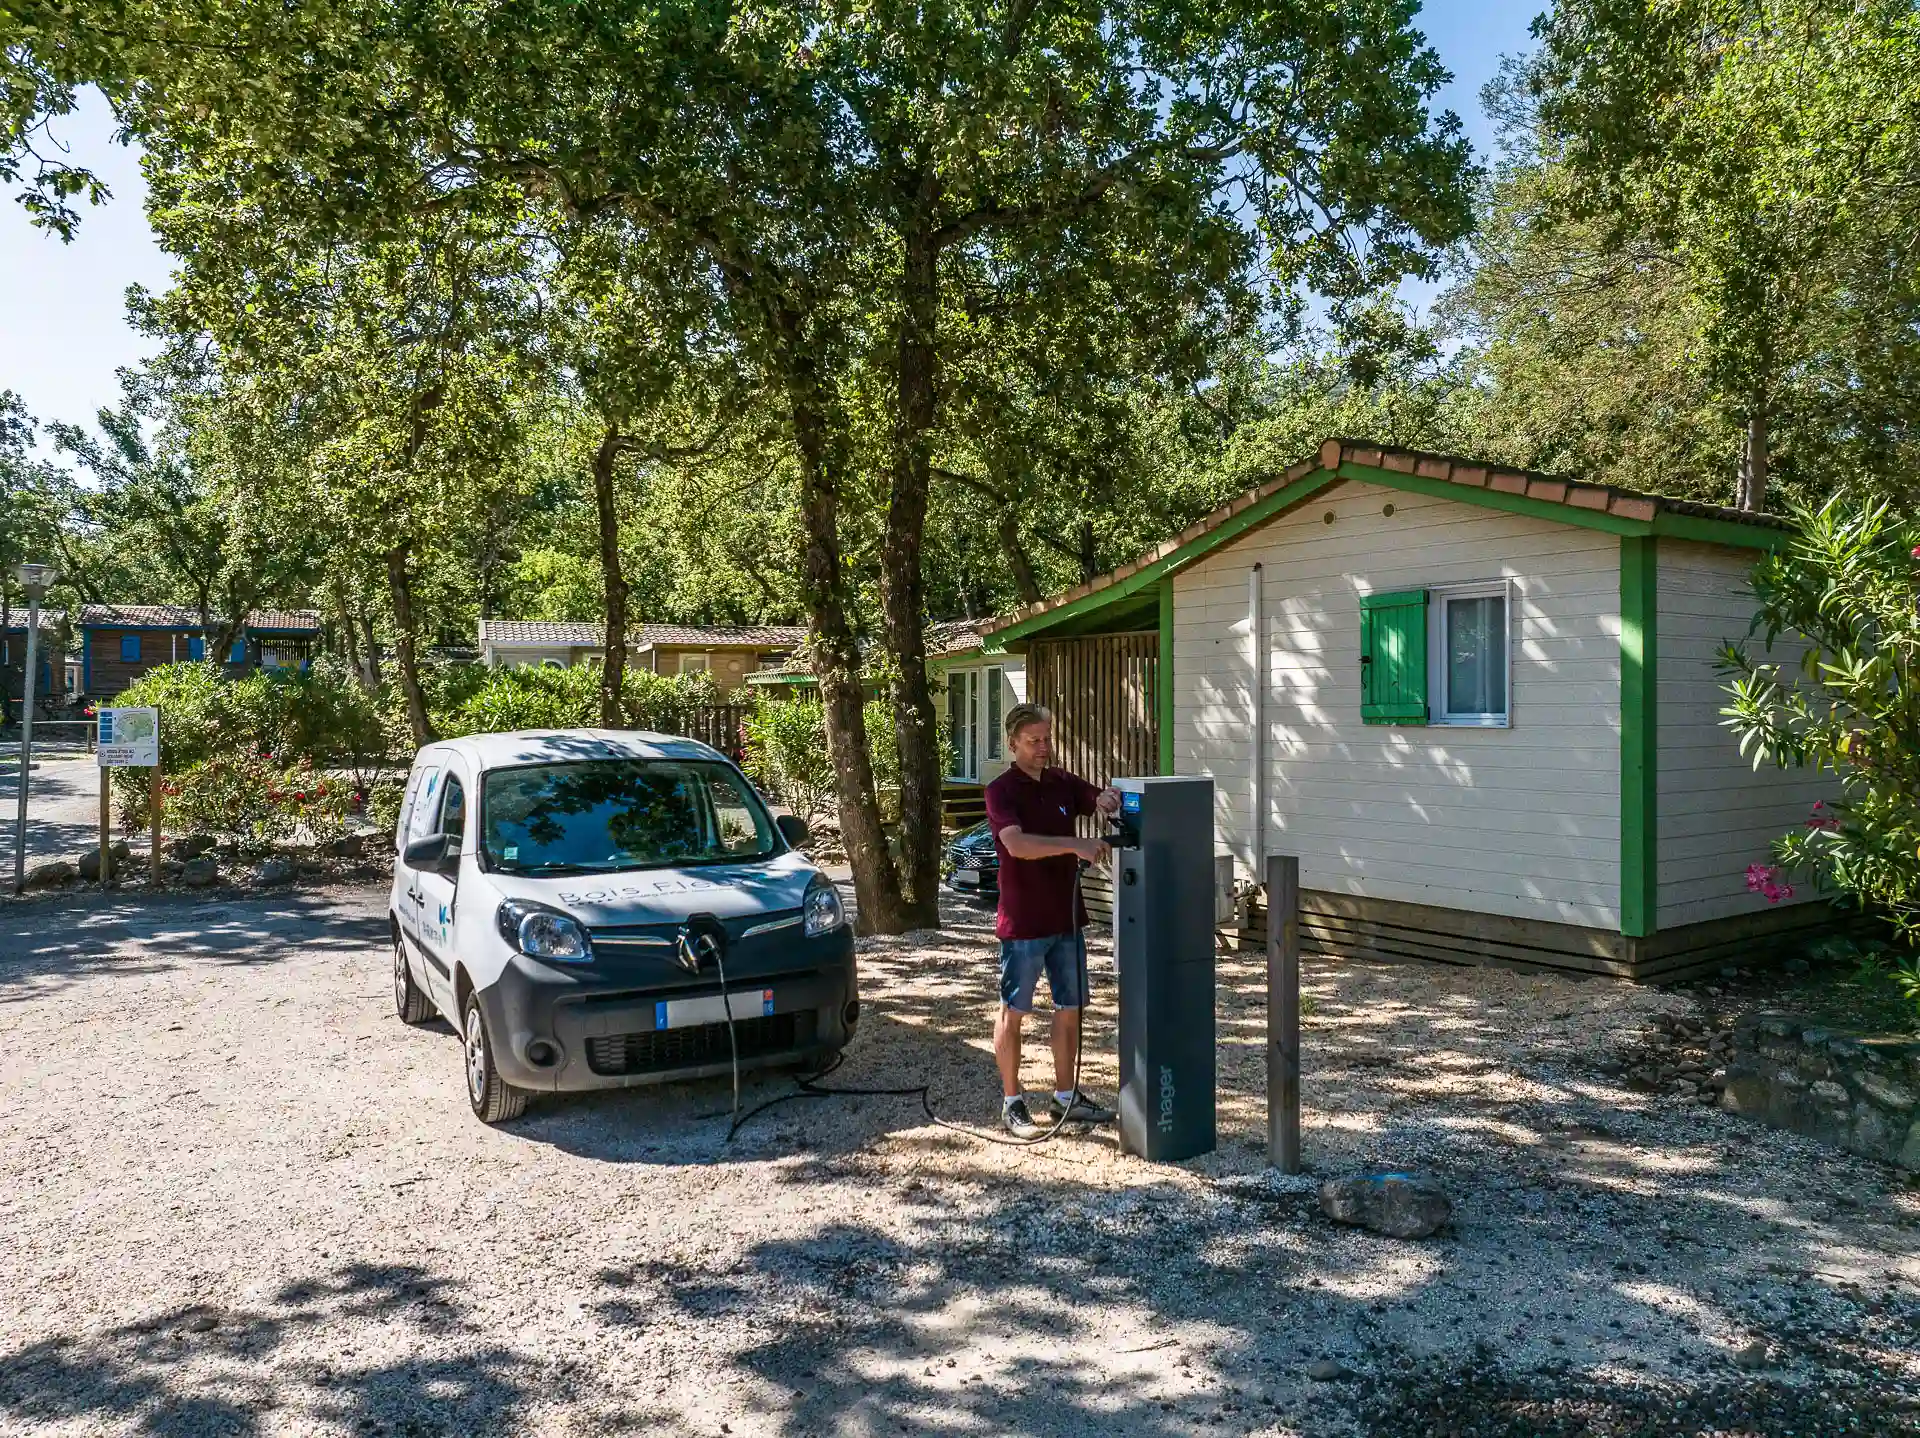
pixel 1393 657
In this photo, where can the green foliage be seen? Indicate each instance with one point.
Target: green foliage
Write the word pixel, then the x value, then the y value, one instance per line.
pixel 787 754
pixel 528 697
pixel 1850 587
pixel 253 800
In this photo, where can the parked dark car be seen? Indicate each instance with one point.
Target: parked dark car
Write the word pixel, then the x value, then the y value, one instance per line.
pixel 970 865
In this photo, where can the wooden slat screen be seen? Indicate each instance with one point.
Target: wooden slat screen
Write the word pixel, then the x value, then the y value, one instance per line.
pixel 1101 690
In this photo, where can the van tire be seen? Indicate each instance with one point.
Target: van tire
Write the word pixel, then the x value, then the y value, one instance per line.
pixel 413 1006
pixel 494 1100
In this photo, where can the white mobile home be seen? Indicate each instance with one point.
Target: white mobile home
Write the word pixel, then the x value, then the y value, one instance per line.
pixel 1481 706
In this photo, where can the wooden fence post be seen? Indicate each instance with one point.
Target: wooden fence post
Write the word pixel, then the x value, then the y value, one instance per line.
pixel 106 825
pixel 153 816
pixel 1283 1012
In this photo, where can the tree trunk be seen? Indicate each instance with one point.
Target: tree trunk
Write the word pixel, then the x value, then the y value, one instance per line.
pixel 836 658
pixel 400 584
pixel 613 665
pixel 1752 494
pixel 374 677
pixel 902 592
pixel 489 560
pixel 1025 584
pixel 1089 559
pixel 6 668
pixel 348 639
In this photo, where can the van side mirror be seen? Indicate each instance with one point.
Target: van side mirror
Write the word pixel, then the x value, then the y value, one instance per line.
pixel 437 852
pixel 794 830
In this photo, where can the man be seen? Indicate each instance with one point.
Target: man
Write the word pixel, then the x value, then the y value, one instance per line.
pixel 1031 809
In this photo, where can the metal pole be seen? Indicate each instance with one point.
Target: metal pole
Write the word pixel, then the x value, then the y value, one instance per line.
pixel 106 826
pixel 26 740
pixel 1283 1012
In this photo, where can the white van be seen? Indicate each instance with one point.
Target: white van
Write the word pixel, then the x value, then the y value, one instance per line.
pixel 570 900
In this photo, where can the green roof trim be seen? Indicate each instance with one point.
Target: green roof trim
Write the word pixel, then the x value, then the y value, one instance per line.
pixel 1568 502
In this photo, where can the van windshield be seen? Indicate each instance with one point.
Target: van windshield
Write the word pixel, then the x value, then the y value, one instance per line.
pixel 598 815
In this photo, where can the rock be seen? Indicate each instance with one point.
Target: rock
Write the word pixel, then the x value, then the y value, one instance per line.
pixel 191 847
pixel 275 870
pixel 1326 1370
pixel 1797 967
pixel 88 863
pixel 54 873
pixel 1753 1355
pixel 347 846
pixel 198 873
pixel 1399 1205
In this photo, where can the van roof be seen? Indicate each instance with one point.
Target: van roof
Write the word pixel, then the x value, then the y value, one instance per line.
pixel 549 746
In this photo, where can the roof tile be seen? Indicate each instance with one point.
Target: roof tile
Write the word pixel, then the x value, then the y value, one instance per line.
pixel 1397 460
pixel 181 616
pixel 1554 491
pixel 1429 467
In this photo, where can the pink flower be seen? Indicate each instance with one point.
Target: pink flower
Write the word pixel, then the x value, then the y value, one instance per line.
pixel 1822 820
pixel 1757 874
pixel 1766 881
pixel 1916 551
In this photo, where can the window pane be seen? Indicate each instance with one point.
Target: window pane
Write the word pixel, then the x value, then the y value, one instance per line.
pixel 1476 656
pixel 956 725
pixel 453 809
pixel 621 814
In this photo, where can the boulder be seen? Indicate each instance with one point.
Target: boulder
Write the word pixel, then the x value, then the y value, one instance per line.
pixel 54 873
pixel 275 870
pixel 347 846
pixel 88 863
pixel 198 873
pixel 191 847
pixel 1399 1205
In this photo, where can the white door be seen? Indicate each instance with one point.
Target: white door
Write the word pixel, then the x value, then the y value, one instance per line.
pixel 963 704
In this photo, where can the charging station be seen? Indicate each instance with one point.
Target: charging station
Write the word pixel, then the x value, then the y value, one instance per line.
pixel 1163 951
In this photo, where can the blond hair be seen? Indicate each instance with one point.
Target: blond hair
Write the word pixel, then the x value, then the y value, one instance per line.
pixel 1022 715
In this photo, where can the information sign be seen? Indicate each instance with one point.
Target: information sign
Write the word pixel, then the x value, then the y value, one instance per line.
pixel 129 738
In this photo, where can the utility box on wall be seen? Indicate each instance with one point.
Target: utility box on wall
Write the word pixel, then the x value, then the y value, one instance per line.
pixel 1164 895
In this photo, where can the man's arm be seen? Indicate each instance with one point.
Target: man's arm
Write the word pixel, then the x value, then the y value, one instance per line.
pixel 1023 845
pixel 1090 800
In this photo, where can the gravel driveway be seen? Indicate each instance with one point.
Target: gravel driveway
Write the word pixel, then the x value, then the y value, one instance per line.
pixel 238 1196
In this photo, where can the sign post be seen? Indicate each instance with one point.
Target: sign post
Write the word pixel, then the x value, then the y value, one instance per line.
pixel 128 739
pixel 34 578
pixel 1283 1012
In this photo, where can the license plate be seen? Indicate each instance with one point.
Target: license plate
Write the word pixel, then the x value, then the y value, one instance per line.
pixel 712 1009
pixel 966 876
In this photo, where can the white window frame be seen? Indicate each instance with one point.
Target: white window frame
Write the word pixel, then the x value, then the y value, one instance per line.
pixel 1438 597
pixel 691 663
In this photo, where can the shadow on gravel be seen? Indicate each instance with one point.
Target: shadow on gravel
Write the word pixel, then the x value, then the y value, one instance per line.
pixel 198 1371
pixel 65 940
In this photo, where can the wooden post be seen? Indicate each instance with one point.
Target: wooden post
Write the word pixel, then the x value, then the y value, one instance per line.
pixel 106 824
pixel 153 815
pixel 1283 1012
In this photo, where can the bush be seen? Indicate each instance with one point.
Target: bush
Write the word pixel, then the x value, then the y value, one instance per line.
pixel 548 697
pixel 289 723
pixel 787 753
pixel 1850 585
pixel 250 799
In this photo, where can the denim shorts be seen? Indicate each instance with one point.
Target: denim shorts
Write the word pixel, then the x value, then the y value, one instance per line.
pixel 1021 960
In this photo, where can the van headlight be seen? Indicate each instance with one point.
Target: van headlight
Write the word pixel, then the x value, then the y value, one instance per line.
pixel 822 908
pixel 543 933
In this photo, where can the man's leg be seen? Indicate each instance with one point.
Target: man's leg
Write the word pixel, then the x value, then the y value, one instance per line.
pixel 1006 1049
pixel 1066 1038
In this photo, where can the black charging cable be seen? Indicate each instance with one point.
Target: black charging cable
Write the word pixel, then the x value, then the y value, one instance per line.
pixel 809 1086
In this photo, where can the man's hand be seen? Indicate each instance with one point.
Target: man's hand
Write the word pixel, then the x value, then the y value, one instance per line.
pixel 1094 851
pixel 1108 801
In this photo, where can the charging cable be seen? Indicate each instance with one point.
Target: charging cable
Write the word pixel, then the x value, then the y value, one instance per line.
pixel 809 1087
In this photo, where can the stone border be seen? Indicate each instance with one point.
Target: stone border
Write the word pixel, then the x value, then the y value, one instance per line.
pixel 1859 1092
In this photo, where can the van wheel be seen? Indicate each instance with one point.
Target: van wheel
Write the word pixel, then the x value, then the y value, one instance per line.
pixel 494 1100
pixel 413 1006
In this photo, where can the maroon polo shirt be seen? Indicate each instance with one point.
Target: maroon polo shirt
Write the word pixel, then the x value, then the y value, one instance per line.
pixel 1037 895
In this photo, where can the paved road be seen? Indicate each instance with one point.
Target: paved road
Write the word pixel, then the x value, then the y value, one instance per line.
pixel 237 1196
pixel 63 805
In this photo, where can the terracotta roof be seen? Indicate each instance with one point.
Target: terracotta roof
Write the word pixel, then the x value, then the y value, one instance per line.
pixel 180 616
pixel 945 637
pixel 591 636
pixel 49 619
pixel 1469 474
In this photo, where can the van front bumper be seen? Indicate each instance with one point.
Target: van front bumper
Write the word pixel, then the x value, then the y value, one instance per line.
pixel 561 1029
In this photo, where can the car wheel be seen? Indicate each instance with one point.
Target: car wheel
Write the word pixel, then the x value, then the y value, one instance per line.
pixel 494 1100
pixel 413 1006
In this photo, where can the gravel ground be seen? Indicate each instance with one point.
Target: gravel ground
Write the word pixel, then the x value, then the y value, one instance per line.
pixel 238 1196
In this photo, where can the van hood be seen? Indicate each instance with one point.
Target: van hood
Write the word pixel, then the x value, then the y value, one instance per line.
pixel 668 896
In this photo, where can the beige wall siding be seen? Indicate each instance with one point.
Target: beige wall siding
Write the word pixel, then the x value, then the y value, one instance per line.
pixel 1522 821
pixel 1716 814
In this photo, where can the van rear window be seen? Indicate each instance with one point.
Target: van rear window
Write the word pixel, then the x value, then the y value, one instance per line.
pixel 600 815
